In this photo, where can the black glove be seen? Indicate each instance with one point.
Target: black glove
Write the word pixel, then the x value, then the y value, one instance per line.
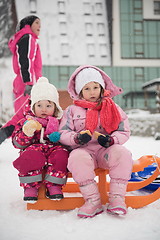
pixel 27 90
pixel 82 138
pixel 105 141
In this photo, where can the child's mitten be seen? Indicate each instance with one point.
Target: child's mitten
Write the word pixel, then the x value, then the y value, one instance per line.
pixel 30 126
pixel 54 137
pixel 105 140
pixel 83 137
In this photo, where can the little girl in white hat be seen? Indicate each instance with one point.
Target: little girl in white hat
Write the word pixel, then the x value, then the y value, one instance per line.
pixel 37 137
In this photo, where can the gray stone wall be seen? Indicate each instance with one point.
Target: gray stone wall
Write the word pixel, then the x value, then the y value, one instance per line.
pixel 143 123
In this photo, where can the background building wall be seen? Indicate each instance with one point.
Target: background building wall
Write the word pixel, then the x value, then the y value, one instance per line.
pixel 74 32
pixel 121 37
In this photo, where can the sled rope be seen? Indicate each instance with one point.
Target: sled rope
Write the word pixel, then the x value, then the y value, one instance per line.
pixel 18 98
pixel 22 106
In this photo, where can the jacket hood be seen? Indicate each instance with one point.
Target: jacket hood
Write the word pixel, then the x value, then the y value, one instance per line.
pixel 107 80
pixel 13 41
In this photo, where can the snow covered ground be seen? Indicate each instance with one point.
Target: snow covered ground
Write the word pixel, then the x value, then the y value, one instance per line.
pixel 17 223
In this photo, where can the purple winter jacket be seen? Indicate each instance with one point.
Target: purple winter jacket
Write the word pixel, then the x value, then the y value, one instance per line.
pixel 73 120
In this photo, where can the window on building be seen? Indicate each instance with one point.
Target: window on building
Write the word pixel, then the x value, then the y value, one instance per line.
pixel 101 29
pixel 138 27
pixel 103 50
pixel 63 73
pixel 157 7
pixel 139 73
pixel 33 6
pixel 61 7
pixel 87 8
pixel 137 6
pixel 151 9
pixel 139 50
pixel 89 29
pixel 65 49
pixel 98 8
pixel 63 28
pixel 91 49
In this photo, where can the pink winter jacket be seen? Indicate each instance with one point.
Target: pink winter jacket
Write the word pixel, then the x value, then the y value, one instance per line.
pixel 73 120
pixel 22 141
pixel 27 62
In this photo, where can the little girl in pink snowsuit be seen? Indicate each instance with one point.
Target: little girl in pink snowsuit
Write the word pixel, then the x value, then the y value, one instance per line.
pixel 96 128
pixel 37 138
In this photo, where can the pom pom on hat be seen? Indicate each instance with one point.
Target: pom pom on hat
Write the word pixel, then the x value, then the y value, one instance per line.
pixel 87 75
pixel 43 90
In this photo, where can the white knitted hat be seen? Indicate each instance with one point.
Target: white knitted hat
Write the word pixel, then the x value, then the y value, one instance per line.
pixel 87 75
pixel 43 90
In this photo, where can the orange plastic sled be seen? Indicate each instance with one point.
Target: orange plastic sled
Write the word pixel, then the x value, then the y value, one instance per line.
pixel 71 202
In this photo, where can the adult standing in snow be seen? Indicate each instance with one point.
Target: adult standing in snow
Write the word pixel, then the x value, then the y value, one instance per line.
pixel 27 62
pixel 27 65
pixel 95 129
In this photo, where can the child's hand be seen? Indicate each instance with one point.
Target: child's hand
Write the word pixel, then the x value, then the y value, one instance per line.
pixel 54 137
pixel 83 137
pixel 105 140
pixel 30 126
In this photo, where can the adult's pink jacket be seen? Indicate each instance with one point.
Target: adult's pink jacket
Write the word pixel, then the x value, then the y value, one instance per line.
pixel 27 63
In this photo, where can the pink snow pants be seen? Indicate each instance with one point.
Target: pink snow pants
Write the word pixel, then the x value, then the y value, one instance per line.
pixel 117 159
pixel 19 101
pixel 37 157
pixel 18 90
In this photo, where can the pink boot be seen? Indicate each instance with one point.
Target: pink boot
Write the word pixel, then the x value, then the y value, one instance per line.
pixel 117 198
pixel 30 194
pixel 92 204
pixel 55 192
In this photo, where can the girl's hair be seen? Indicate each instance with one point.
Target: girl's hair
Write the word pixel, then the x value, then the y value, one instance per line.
pixel 56 112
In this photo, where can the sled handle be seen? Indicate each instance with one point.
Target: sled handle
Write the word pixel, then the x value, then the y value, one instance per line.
pixel 145 161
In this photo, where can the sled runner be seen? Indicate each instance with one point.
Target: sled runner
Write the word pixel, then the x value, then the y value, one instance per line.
pixel 135 201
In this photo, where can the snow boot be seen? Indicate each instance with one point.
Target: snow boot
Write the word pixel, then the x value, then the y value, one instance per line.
pixel 92 204
pixel 54 192
pixel 6 132
pixel 30 194
pixel 117 193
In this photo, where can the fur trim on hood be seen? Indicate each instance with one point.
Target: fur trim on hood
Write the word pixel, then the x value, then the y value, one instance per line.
pixel 114 90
